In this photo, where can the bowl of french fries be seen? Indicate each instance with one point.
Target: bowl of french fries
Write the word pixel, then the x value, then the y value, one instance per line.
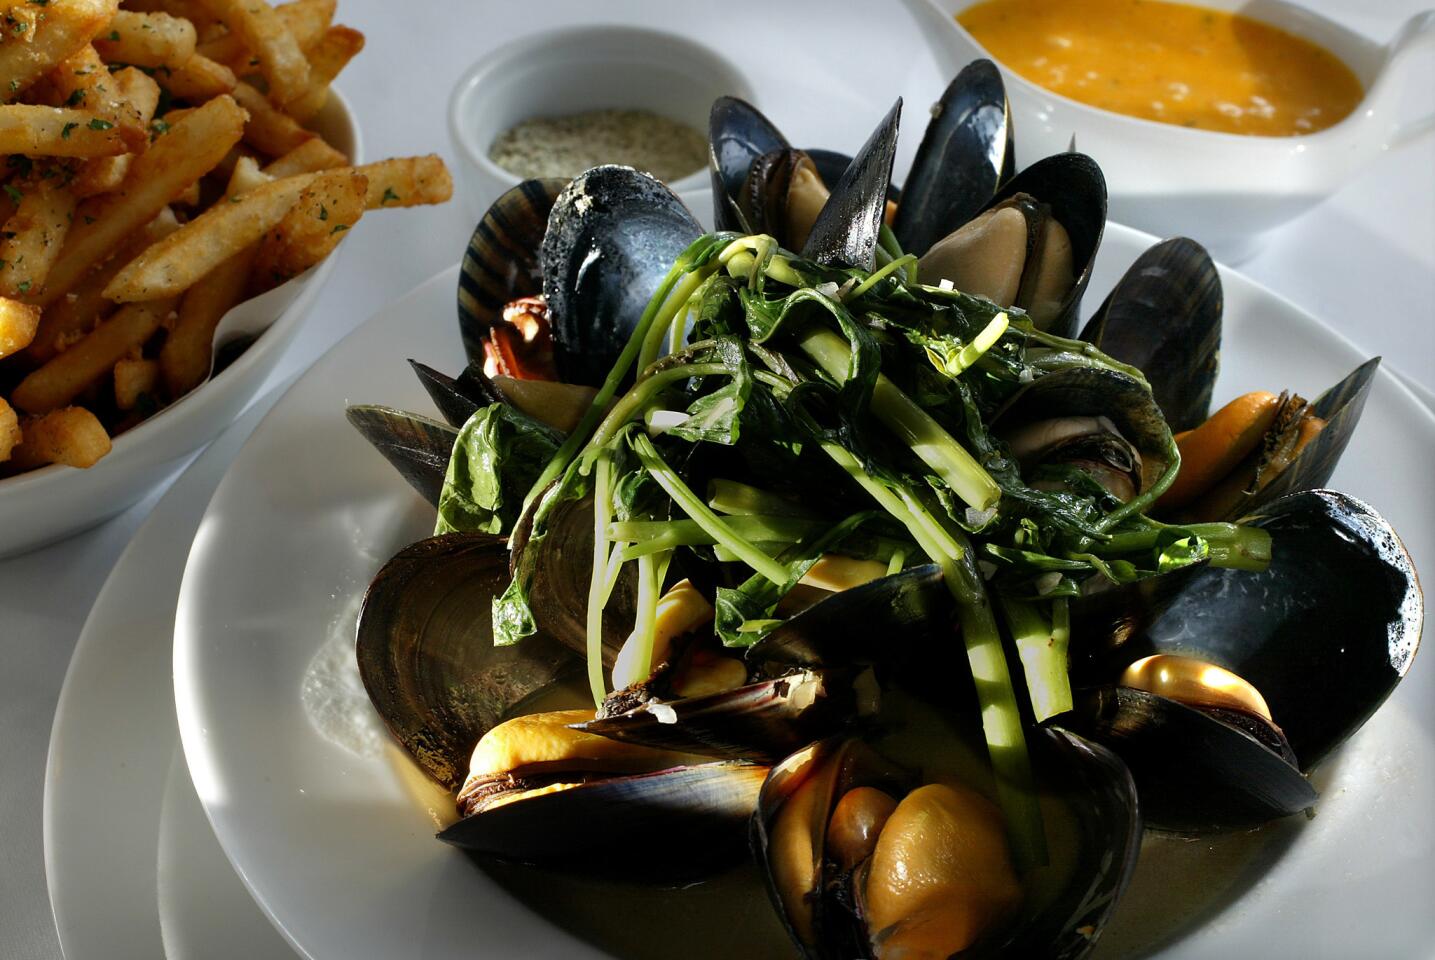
pixel 177 175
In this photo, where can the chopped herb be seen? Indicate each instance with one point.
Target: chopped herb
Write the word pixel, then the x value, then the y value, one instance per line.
pixel 21 27
pixel 156 128
pixel 389 195
pixel 13 192
pixel 4 264
pixel 88 218
pixel 76 98
pixel 14 86
pixel 338 228
pixel 40 3
pixel 65 133
pixel 114 34
pixel 98 124
pixel 323 212
pixel 23 286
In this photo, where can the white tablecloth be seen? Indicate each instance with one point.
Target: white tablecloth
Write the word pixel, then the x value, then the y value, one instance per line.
pixel 1364 261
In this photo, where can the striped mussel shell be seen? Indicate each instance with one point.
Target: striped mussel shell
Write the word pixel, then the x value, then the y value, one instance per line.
pixel 502 261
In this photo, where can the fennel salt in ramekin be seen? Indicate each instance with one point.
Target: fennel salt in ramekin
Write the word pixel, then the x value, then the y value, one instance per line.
pixel 565 146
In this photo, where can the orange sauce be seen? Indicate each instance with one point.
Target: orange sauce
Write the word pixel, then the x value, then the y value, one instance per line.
pixel 1169 62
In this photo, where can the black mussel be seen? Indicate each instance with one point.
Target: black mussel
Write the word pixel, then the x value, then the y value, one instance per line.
pixel 864 859
pixel 1098 420
pixel 1164 318
pixel 540 791
pixel 425 650
pixel 764 720
pixel 419 448
pixel 1321 637
pixel 1035 244
pixel 457 398
pixel 965 156
pixel 613 234
pixel 782 196
pixel 738 134
pixel 1260 447
pixel 501 263
pixel 559 567
pixel 846 229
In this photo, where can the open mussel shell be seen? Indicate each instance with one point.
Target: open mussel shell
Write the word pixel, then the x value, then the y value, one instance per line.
pixel 1164 318
pixel 426 655
pixel 1325 633
pixel 457 398
pixel 1081 391
pixel 697 816
pixel 1062 921
pixel 501 262
pixel 1341 407
pixel 966 154
pixel 765 720
pixel 613 234
pixel 847 628
pixel 419 448
pixel 561 566
pixel 738 134
pixel 845 233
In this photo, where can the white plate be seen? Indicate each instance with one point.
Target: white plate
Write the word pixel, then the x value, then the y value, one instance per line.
pixel 336 844
pixel 132 866
pixel 44 505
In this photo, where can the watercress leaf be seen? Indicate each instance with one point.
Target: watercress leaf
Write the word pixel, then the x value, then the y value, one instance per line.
pixel 498 455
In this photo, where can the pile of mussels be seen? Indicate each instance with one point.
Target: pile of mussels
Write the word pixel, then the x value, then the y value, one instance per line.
pixel 1202 697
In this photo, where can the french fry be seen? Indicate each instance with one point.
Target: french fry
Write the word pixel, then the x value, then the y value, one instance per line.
pixel 174 264
pixel 407 182
pixel 281 61
pixel 198 79
pixel 310 156
pixel 139 94
pixel 327 57
pixel 18 323
pixel 187 353
pixel 68 26
pixel 176 159
pixel 312 228
pixel 33 236
pixel 63 132
pixel 146 40
pixel 306 21
pixel 192 10
pixel 82 81
pixel 269 129
pixel 74 315
pixel 72 436
pixel 133 379
pixel 9 430
pixel 190 197
pixel 60 381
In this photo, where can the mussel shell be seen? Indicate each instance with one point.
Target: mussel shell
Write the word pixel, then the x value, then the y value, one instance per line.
pixel 1081 391
pixel 849 628
pixel 502 262
pixel 670 825
pixel 613 234
pixel 845 233
pixel 561 564
pixel 1324 633
pixel 1100 794
pixel 1340 407
pixel 1164 318
pixel 763 721
pixel 1073 186
pixel 738 134
pixel 966 154
pixel 763 196
pixel 1193 772
pixel 419 448
pixel 425 650
pixel 457 398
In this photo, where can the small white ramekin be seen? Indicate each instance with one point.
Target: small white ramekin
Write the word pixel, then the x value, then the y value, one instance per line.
pixel 574 69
